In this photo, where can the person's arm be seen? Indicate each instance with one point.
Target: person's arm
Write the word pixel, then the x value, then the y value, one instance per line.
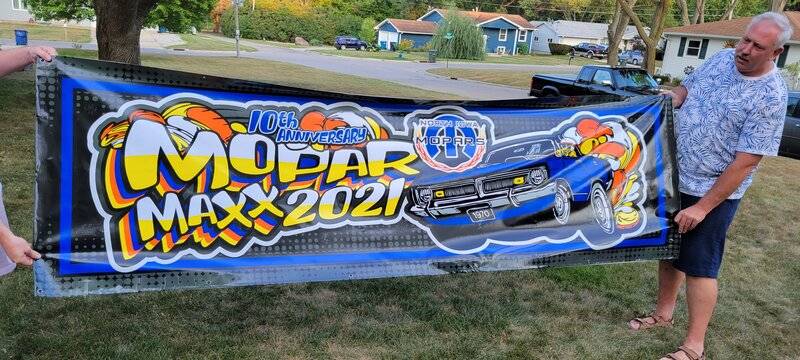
pixel 726 184
pixel 13 60
pixel 16 248
pixel 678 95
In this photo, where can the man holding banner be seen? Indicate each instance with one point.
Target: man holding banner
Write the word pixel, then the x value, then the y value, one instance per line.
pixel 14 249
pixel 731 114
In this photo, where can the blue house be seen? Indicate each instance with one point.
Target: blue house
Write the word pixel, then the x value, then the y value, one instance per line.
pixel 502 33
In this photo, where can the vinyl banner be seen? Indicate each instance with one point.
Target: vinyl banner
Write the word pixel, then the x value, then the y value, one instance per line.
pixel 150 179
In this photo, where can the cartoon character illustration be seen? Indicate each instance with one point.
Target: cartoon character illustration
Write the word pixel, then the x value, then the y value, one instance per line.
pixel 584 177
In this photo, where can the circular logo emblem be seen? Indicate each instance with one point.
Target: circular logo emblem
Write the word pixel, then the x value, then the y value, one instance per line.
pixel 450 142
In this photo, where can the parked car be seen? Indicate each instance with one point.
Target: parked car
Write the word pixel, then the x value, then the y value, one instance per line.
pixel 596 80
pixel 534 182
pixel 790 141
pixel 344 42
pixel 590 50
pixel 635 57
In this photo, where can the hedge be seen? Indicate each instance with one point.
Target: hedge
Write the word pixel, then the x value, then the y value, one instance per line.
pixel 559 49
pixel 282 25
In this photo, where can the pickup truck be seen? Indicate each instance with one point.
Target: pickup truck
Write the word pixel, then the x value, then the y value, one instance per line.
pixel 596 80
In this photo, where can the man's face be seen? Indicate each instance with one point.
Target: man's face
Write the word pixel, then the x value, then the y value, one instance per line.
pixel 757 48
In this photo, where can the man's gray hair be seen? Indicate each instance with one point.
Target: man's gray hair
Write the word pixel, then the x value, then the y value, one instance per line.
pixel 780 21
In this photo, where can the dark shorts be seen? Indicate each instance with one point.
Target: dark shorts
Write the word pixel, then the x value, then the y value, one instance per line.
pixel 702 247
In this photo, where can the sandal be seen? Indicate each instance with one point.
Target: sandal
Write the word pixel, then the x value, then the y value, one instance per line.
pixel 690 354
pixel 651 321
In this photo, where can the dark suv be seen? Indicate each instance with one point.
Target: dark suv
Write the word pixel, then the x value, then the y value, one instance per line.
pixel 590 50
pixel 343 42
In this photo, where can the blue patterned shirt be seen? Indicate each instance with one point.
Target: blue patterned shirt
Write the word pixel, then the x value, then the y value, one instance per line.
pixel 724 113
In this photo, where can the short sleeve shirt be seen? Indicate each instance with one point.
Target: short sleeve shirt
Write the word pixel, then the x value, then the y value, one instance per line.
pixel 726 112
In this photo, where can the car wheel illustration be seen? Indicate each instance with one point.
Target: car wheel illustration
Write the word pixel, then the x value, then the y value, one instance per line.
pixel 563 203
pixel 602 209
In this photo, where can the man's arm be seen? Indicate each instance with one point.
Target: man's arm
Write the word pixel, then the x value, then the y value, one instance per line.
pixel 678 94
pixel 726 184
pixel 17 249
pixel 16 59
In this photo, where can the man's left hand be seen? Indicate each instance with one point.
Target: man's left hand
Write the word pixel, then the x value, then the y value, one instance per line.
pixel 687 219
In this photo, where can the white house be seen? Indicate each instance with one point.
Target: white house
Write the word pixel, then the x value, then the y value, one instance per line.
pixel 573 33
pixel 690 45
pixel 14 10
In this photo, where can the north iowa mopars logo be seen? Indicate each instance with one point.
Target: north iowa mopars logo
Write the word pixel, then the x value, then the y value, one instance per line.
pixel 450 139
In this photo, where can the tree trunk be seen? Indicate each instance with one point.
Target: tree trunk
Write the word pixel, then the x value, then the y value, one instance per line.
pixel 119 25
pixel 728 15
pixel 684 12
pixel 657 28
pixel 615 33
pixel 699 12
pixel 777 5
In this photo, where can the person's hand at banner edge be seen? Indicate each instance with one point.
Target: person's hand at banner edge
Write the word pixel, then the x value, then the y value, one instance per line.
pixel 16 248
pixel 687 219
pixel 13 60
pixel 678 95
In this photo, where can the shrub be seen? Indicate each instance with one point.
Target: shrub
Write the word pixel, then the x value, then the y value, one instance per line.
pixel 559 49
pixel 405 45
pixel 467 41
pixel 523 49
pixel 314 42
pixel 283 25
pixel 367 33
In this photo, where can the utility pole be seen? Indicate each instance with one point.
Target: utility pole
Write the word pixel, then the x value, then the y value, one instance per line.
pixel 236 4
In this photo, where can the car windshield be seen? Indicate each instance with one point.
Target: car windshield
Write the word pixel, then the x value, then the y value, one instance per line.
pixel 635 78
pixel 526 151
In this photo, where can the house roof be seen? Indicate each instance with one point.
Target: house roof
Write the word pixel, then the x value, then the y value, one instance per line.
pixel 480 17
pixel 411 26
pixel 586 30
pixel 731 28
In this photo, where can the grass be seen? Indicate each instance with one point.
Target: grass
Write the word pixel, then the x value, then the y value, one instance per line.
pixel 46 32
pixel 490 59
pixel 200 42
pixel 278 73
pixel 567 313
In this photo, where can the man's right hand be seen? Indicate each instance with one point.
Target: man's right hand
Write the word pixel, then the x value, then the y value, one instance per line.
pixel 18 250
pixel 45 53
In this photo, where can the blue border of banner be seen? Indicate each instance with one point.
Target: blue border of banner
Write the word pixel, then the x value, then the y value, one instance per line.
pixel 68 267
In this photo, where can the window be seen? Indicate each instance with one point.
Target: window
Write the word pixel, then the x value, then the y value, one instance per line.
pixel 523 35
pixel 501 50
pixel 791 106
pixel 535 38
pixel 18 4
pixel 549 40
pixel 602 77
pixel 503 35
pixel 693 48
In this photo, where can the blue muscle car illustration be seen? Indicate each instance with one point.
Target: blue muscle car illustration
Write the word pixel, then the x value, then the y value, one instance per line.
pixel 535 186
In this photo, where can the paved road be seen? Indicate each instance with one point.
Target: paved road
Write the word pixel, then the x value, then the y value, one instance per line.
pixel 403 72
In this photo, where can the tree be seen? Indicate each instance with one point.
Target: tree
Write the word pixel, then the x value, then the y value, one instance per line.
pixel 367 32
pixel 615 32
pixel 181 15
pixel 656 28
pixel 466 42
pixel 119 23
pixel 777 5
pixel 684 12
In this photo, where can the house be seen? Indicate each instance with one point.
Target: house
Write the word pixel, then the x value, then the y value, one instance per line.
pixel 14 10
pixel 502 33
pixel 575 32
pixel 690 45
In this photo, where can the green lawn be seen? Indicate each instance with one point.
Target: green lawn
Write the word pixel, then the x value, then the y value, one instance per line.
pixel 46 32
pixel 491 59
pixel 201 42
pixel 568 313
pixel 279 73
